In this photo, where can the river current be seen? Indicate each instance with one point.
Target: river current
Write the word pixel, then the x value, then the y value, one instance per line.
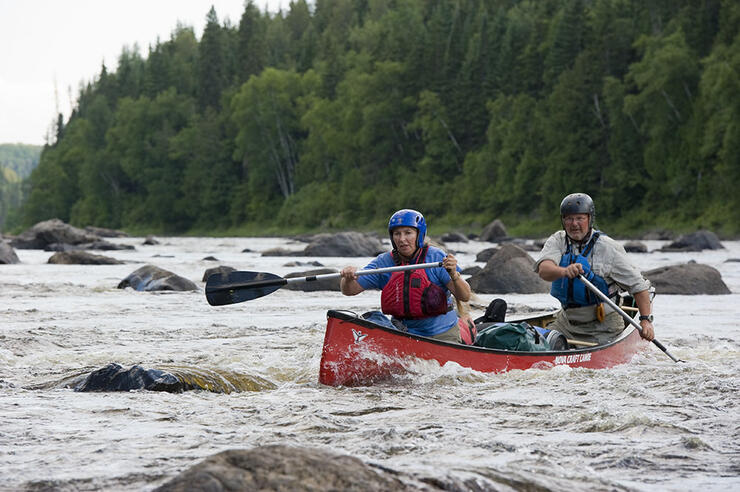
pixel 649 425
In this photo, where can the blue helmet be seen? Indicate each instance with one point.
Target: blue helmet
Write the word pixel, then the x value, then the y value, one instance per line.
pixel 408 218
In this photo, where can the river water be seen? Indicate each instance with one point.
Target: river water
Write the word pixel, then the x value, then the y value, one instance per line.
pixel 648 425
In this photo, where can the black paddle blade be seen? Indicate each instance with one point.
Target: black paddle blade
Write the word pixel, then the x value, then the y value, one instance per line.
pixel 234 287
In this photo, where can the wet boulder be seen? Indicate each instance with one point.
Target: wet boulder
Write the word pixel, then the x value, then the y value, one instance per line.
pixel 313 285
pixel 345 244
pixel 114 377
pixel 151 278
pixel 687 279
pixel 635 247
pixel 7 254
pixel 510 270
pixel 696 241
pixel 494 232
pixel 281 252
pixel 81 258
pixel 280 467
pixel 103 232
pixel 454 237
pixel 50 232
pixel 222 270
pixel 485 255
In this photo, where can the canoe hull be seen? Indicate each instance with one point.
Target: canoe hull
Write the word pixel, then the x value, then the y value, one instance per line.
pixel 357 352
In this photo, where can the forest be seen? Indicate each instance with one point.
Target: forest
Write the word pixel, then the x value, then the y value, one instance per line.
pixel 332 114
pixel 16 163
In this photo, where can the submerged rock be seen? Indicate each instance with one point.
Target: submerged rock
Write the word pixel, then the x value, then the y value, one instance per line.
pixel 151 278
pixel 114 377
pixel 279 467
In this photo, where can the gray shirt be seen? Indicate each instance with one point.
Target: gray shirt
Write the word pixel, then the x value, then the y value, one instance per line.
pixel 608 260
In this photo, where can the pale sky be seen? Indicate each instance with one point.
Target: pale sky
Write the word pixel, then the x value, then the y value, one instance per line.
pixel 44 43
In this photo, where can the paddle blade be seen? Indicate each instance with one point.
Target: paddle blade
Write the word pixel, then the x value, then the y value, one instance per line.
pixel 233 287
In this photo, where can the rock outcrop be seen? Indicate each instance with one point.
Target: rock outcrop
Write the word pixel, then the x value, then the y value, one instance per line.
pixel 687 279
pixel 696 241
pixel 279 467
pixel 510 270
pixel 7 254
pixel 345 244
pixel 494 232
pixel 55 235
pixel 81 258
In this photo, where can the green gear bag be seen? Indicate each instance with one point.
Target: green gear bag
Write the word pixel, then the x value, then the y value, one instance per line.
pixel 520 337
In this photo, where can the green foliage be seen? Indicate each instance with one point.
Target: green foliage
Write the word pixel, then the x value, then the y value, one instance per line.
pixel 332 114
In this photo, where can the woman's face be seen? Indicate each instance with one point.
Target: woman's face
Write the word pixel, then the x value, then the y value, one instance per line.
pixel 405 240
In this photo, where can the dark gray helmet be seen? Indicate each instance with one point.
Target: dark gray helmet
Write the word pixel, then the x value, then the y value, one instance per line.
pixel 578 203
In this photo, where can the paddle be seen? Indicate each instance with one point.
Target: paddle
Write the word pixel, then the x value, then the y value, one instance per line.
pixel 236 287
pixel 626 316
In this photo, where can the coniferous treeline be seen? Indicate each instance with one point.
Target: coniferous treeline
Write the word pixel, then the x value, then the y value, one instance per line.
pixel 16 162
pixel 338 112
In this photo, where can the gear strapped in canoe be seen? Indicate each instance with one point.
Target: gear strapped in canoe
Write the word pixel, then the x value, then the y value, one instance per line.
pixel 233 287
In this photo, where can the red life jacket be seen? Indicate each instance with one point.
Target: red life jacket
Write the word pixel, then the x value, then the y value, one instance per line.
pixel 410 294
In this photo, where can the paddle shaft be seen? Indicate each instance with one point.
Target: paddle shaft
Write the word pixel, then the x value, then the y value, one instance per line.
pixel 626 316
pixel 325 276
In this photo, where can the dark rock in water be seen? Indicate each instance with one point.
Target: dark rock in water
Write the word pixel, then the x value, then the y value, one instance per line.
pixel 219 270
pixel 687 279
pixel 82 258
pixel 303 263
pixel 454 237
pixel 210 258
pixel 151 278
pixel 696 241
pixel 114 377
pixel 7 254
pixel 494 232
pixel 281 252
pixel 103 232
pixel 635 247
pixel 510 270
pixel 485 255
pixel 314 285
pixel 732 260
pixel 471 270
pixel 100 245
pixel 52 231
pixel 345 244
pixel 150 241
pixel 285 468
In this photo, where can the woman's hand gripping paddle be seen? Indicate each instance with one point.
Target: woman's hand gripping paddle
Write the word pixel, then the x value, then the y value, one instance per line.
pixel 236 287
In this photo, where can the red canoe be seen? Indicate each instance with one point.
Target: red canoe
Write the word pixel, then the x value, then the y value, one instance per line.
pixel 358 352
